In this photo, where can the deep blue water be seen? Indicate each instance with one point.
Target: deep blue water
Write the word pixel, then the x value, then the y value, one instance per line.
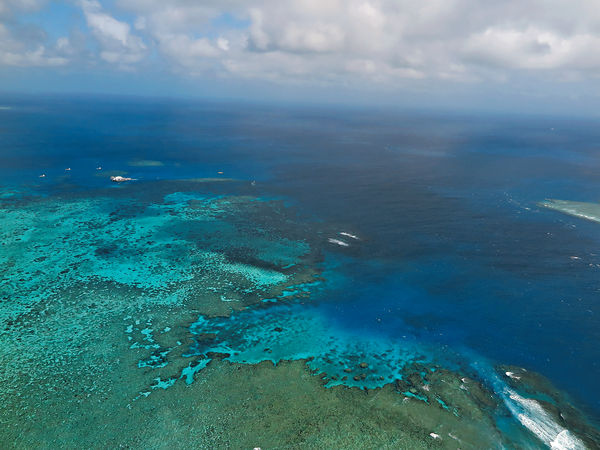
pixel 453 250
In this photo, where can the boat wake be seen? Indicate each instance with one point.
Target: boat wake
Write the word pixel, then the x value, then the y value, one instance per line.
pixel 338 242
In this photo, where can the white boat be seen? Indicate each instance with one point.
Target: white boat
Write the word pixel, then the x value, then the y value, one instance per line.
pixel 120 179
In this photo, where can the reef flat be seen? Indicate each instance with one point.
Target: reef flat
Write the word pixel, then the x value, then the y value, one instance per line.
pixel 165 316
pixel 583 210
pixel 187 247
pixel 146 163
pixel 238 406
pixel 75 270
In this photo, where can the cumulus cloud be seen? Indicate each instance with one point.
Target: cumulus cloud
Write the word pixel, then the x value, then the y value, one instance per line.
pixel 180 32
pixel 533 49
pixel 382 40
pixel 388 42
pixel 10 7
pixel 25 46
pixel 15 53
pixel 118 44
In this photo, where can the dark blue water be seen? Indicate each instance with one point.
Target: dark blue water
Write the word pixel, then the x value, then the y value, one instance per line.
pixel 453 247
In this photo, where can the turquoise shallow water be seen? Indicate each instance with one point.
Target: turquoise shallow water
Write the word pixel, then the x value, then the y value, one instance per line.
pixel 165 250
pixel 428 253
pixel 223 253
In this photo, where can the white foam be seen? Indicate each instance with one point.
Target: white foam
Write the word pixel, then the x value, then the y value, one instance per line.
pixel 338 242
pixel 531 414
pixel 564 440
pixel 353 236
pixel 533 417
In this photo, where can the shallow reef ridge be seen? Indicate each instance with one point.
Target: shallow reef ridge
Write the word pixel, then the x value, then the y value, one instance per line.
pixel 154 317
pixel 583 210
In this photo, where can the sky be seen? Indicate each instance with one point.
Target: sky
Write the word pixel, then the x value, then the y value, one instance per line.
pixel 525 55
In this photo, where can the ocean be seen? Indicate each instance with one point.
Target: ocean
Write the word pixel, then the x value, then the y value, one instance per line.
pixel 377 251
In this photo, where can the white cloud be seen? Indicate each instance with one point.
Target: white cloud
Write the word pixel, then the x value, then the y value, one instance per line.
pixel 385 42
pixel 118 44
pixel 27 49
pixel 11 7
pixel 535 49
pixel 528 49
pixel 188 51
